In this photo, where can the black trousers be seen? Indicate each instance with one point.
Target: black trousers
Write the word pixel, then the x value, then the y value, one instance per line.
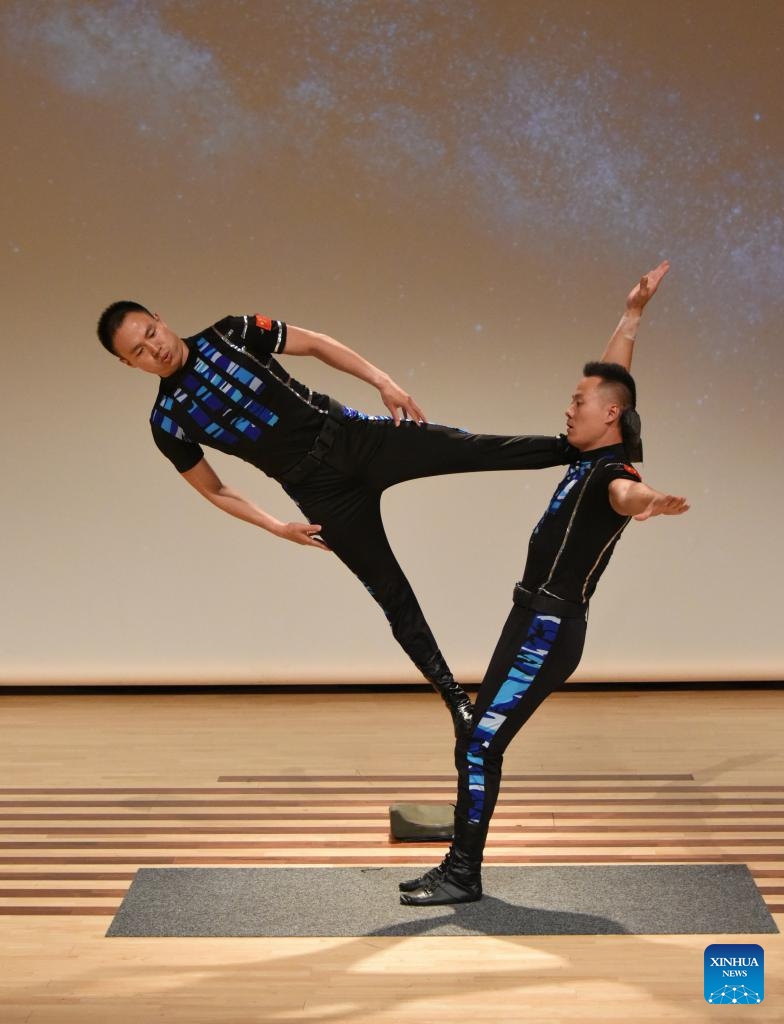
pixel 343 492
pixel 534 655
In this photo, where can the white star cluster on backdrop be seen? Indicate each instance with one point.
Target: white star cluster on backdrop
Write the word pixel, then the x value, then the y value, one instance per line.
pixel 540 135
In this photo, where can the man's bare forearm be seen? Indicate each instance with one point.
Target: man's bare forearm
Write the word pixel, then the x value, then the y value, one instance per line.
pixel 235 504
pixel 301 342
pixel 334 353
pixel 629 497
pixel 634 498
pixel 620 347
pixel 206 481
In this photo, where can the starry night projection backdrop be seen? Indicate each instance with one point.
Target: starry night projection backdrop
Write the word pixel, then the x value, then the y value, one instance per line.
pixel 464 192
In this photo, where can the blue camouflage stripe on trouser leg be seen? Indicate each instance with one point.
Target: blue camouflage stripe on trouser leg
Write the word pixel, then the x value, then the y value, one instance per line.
pixel 535 655
pixel 521 675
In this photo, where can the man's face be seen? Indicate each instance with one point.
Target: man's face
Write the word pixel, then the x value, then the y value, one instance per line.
pixel 592 415
pixel 145 342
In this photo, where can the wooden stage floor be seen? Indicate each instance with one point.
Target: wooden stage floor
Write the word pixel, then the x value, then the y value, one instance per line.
pixel 95 786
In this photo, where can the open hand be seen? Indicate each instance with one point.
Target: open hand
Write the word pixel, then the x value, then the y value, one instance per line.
pixel 664 505
pixel 644 291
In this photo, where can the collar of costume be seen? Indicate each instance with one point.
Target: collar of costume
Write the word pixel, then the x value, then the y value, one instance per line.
pixel 617 450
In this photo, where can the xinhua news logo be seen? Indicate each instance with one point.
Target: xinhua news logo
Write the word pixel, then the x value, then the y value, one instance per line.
pixel 734 973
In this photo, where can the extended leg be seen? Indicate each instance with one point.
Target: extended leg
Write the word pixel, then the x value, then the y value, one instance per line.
pixel 383 454
pixel 351 525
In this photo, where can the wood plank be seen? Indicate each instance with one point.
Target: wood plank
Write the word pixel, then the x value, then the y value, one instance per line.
pixel 586 787
pixel 697 801
pixel 326 814
pixel 512 777
pixel 294 842
pixel 76 910
pixel 44 893
pixel 381 827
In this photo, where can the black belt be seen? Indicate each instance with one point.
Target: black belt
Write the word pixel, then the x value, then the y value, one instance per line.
pixel 548 605
pixel 324 441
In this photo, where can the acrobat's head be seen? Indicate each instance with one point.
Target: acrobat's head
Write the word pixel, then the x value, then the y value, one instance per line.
pixel 602 410
pixel 141 339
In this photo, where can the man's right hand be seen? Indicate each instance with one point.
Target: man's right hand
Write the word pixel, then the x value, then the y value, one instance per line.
pixel 663 505
pixel 302 533
pixel 636 499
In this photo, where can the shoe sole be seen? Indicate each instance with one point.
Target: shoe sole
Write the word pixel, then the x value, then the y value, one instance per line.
pixel 444 901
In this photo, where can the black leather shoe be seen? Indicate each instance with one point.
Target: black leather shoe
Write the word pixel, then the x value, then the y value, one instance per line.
pixel 438 674
pixel 458 702
pixel 426 880
pixel 441 893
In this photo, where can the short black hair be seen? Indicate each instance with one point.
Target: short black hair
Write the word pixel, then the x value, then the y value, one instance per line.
pixel 614 373
pixel 110 321
pixel 622 383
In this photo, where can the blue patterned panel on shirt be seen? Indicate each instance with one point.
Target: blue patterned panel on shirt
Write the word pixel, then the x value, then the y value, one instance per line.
pixel 166 423
pixel 574 475
pixel 250 405
pixel 235 382
pixel 217 402
pixel 202 418
pixel 229 367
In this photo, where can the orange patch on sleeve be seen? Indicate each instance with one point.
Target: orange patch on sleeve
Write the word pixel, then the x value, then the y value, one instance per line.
pixel 263 322
pixel 632 470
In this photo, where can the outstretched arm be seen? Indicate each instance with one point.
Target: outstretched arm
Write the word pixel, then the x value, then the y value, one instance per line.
pixel 634 498
pixel 206 481
pixel 620 347
pixel 300 342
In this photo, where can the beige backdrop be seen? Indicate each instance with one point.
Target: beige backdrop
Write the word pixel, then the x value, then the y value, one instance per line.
pixel 464 192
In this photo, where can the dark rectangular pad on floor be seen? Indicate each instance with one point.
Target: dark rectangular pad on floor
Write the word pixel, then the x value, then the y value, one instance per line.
pixel 551 900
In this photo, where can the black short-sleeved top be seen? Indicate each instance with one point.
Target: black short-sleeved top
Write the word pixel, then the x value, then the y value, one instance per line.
pixel 231 394
pixel 573 541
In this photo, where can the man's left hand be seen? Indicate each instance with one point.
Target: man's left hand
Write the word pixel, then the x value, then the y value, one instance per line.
pixel 644 291
pixel 400 404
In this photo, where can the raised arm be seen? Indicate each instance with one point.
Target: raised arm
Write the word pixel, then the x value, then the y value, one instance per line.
pixel 300 342
pixel 206 481
pixel 620 347
pixel 634 498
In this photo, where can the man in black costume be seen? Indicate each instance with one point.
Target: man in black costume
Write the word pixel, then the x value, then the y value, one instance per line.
pixel 542 640
pixel 224 388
